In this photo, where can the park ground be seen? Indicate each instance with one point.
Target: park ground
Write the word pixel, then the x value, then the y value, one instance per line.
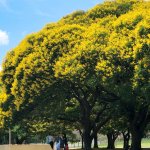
pixel 118 144
pixel 107 149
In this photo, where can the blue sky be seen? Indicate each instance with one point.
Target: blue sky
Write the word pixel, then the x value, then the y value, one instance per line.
pixel 21 17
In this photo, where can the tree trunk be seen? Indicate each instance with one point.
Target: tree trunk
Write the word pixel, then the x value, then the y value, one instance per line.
pixel 112 136
pixel 95 141
pixel 81 134
pixel 87 139
pixel 126 138
pixel 136 139
pixel 82 142
pixel 111 141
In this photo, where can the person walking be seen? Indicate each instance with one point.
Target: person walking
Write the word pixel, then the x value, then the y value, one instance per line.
pixel 57 145
pixel 61 142
pixel 50 140
pixel 65 140
pixel 60 145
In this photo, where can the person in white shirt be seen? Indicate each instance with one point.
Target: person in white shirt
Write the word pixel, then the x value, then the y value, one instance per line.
pixel 50 140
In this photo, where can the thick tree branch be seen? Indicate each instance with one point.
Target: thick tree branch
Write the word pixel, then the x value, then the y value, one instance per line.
pixel 100 113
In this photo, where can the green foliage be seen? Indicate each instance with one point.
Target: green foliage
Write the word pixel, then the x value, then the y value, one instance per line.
pixel 84 61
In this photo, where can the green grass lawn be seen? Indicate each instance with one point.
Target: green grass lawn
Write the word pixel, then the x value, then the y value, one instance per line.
pixel 145 143
pixel 118 144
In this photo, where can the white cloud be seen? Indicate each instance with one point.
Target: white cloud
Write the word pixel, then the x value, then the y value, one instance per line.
pixel 4 39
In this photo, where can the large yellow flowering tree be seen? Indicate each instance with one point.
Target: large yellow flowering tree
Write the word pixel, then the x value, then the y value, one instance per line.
pixel 91 59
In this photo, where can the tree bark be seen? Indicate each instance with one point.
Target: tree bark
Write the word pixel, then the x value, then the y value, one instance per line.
pixel 111 136
pixel 111 141
pixel 87 139
pixel 126 138
pixel 86 104
pixel 138 125
pixel 95 141
pixel 82 142
pixel 136 139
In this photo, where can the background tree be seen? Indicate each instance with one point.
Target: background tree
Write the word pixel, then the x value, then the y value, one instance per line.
pixel 128 56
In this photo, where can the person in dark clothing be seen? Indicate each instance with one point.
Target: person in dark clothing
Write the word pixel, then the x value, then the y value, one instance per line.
pixel 61 143
pixel 65 142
